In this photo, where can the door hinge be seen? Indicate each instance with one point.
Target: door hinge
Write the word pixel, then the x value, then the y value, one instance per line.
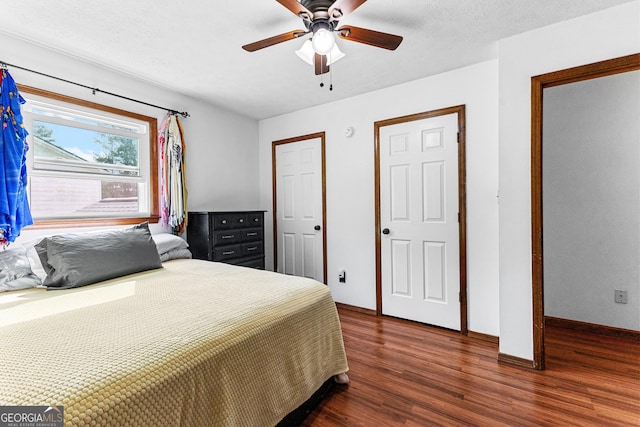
pixel 458 217
pixel 460 297
pixel 458 137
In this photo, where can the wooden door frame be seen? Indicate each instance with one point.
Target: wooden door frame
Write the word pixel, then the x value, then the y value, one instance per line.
pixel 462 204
pixel 274 144
pixel 538 84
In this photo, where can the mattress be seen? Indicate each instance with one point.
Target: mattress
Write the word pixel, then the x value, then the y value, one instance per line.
pixel 195 343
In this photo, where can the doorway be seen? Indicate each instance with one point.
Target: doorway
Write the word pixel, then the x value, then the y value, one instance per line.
pixel 420 218
pixel 538 84
pixel 299 206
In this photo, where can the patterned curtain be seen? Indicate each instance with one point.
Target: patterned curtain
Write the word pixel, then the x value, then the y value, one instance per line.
pixel 14 205
pixel 173 187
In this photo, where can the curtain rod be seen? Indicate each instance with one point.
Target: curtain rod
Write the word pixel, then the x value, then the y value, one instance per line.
pixel 4 65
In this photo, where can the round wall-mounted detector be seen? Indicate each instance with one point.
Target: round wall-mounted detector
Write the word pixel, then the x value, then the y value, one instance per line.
pixel 348 132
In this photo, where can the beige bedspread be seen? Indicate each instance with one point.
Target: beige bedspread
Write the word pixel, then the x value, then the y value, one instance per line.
pixel 192 344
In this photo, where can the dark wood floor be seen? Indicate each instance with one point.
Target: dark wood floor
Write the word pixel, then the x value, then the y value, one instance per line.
pixel 407 374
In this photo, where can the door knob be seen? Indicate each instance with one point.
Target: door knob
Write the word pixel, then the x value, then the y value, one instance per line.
pixel 386 231
pixel 317 228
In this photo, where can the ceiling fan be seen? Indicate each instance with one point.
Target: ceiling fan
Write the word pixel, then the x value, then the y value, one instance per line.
pixel 320 18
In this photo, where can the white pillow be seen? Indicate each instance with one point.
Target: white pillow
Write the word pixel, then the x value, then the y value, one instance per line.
pixel 34 258
pixel 166 242
pixel 15 269
pixel 175 254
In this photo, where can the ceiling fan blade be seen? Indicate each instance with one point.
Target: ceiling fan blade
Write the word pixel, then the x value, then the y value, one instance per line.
pixel 295 7
pixel 370 37
pixel 320 62
pixel 252 47
pixel 341 8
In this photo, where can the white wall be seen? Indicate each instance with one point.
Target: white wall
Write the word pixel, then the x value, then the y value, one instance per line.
pixel 591 199
pixel 223 167
pixel 221 147
pixel 350 180
pixel 611 33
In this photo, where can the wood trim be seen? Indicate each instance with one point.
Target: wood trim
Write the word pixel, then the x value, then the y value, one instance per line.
pixel 84 103
pixel 94 222
pixel 484 337
pixel 591 328
pixel 324 210
pixel 356 309
pixel 594 70
pixel 274 206
pixel 462 206
pixel 274 144
pixel 154 182
pixel 376 209
pixel 536 223
pixel 462 211
pixel 153 165
pixel 538 84
pixel 515 361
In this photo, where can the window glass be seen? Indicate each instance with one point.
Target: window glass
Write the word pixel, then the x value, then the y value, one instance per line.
pixel 60 147
pixel 88 161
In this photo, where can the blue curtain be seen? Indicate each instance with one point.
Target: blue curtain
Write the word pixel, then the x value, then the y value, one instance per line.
pixel 14 206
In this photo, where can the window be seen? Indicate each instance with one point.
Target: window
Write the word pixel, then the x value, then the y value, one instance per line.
pixel 88 163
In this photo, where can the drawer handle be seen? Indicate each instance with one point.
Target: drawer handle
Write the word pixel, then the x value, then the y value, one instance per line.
pixel 253 248
pixel 224 221
pixel 228 252
pixel 241 220
pixel 228 236
pixel 256 219
pixel 255 233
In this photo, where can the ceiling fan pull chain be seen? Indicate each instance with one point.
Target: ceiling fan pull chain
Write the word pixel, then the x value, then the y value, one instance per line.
pixel 330 76
pixel 322 74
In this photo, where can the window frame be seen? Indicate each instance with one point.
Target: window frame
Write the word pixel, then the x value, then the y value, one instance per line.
pixel 153 166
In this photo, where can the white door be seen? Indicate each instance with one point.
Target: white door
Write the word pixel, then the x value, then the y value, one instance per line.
pixel 299 208
pixel 420 265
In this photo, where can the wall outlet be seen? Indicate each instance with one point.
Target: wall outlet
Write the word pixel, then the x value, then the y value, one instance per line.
pixel 620 297
pixel 342 276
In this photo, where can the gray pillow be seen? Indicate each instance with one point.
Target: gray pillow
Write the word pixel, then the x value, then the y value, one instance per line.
pixel 74 260
pixel 15 269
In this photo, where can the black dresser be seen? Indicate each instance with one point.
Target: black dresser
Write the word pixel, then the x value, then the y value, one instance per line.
pixel 233 237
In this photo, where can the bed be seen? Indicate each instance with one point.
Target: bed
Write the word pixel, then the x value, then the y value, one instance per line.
pixel 189 343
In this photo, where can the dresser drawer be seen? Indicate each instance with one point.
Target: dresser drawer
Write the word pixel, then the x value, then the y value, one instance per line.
pixel 252 234
pixel 223 221
pixel 227 237
pixel 250 249
pixel 227 252
pixel 236 235
pixel 255 219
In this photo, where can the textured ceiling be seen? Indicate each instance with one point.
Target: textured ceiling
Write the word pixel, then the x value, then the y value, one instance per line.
pixel 194 47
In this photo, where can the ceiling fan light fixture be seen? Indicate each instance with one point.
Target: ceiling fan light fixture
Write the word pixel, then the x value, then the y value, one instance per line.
pixel 306 53
pixel 320 18
pixel 323 41
pixel 335 55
